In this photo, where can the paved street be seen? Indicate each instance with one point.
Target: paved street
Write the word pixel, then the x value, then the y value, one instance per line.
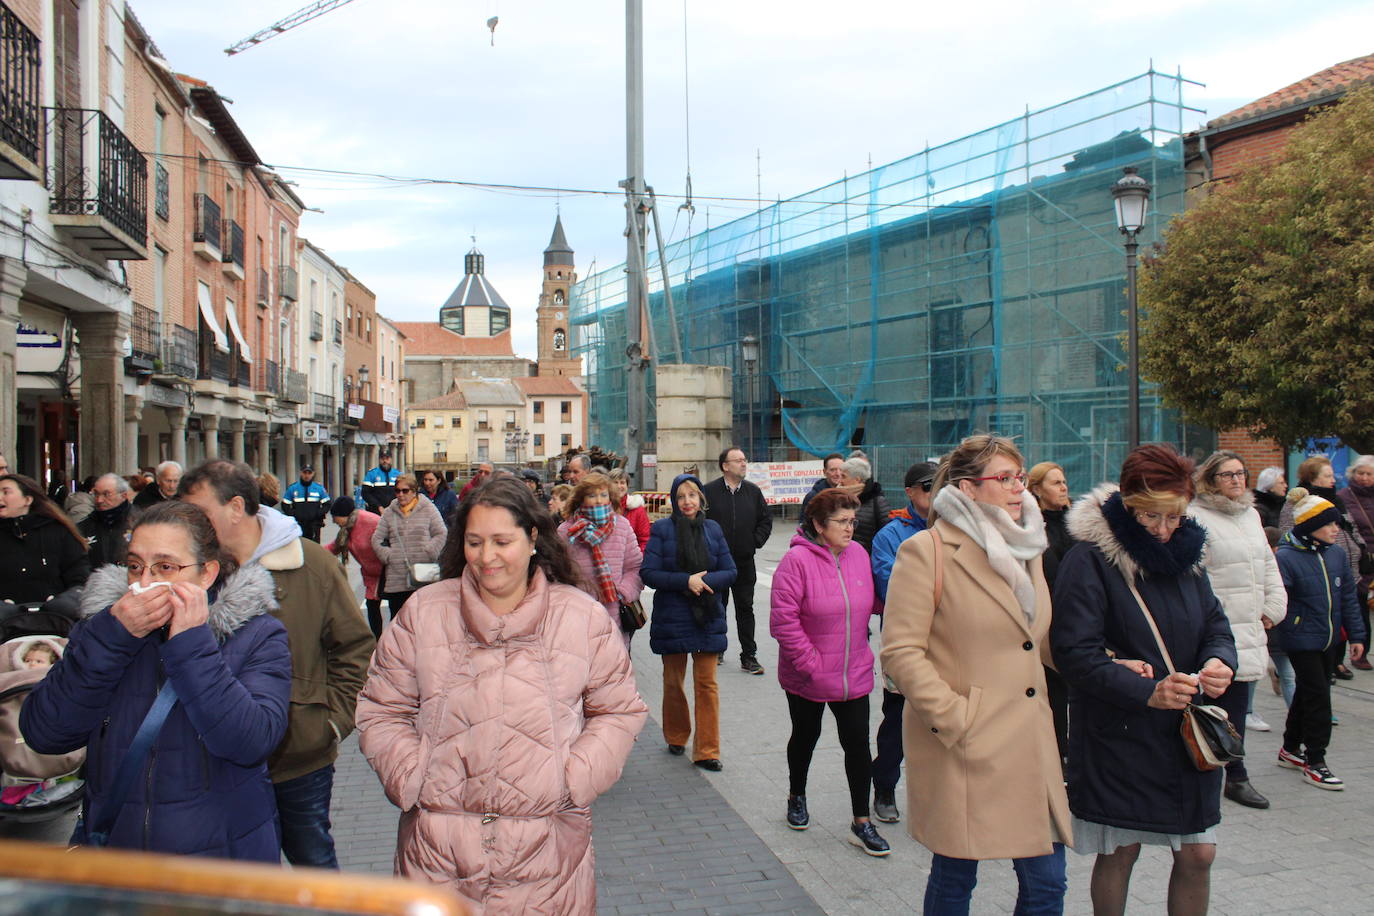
pixel 670 837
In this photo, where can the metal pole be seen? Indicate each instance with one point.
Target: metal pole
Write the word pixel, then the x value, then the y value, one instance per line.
pixel 634 236
pixel 1132 348
pixel 749 377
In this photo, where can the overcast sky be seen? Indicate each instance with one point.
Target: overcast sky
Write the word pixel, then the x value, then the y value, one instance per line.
pixel 800 90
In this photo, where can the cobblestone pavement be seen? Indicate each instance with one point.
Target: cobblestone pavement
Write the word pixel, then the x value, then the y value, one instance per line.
pixel 670 837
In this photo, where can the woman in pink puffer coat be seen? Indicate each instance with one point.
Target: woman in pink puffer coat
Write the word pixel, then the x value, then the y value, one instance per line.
pixel 604 547
pixel 822 599
pixel 499 705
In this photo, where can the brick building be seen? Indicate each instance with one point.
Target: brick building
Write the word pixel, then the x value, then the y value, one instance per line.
pixel 1249 136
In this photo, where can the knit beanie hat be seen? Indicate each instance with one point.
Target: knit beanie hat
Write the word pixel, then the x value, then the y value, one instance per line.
pixel 1311 512
pixel 343 507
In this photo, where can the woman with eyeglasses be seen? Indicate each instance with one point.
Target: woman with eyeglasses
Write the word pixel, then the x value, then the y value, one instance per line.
pixel 1131 783
pixel 180 619
pixel 822 598
pixel 411 531
pixel 983 774
pixel 42 554
pixel 1245 577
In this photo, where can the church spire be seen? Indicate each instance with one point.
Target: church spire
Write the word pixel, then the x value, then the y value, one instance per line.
pixel 558 251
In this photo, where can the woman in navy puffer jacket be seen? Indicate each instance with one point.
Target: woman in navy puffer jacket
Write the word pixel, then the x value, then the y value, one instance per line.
pixel 203 789
pixel 688 565
pixel 821 602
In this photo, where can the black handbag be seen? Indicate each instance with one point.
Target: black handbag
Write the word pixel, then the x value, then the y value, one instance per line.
pixel 632 615
pixel 1209 738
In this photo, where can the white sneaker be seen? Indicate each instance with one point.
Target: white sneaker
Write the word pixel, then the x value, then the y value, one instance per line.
pixel 1254 723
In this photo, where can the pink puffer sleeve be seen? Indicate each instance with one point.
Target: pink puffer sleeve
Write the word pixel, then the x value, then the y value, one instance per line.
pixel 389 730
pixel 614 715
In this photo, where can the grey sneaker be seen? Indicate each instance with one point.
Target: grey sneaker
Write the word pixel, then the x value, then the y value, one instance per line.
pixel 885 806
pixel 750 665
pixel 797 816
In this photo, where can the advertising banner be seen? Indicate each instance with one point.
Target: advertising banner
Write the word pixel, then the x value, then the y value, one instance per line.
pixel 785 483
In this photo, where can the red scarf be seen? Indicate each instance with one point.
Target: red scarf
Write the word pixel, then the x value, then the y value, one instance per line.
pixel 582 530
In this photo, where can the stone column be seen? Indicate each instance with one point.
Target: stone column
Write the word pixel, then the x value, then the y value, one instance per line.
pixel 209 425
pixel 286 467
pixel 264 446
pixel 12 277
pixel 133 415
pixel 236 446
pixel 176 420
pixel 102 390
pixel 317 459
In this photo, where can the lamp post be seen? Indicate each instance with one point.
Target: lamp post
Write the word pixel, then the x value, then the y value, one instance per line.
pixel 1131 194
pixel 516 440
pixel 749 347
pixel 363 373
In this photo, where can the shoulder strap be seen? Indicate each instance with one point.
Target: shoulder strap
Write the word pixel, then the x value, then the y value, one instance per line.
pixel 1150 619
pixel 939 566
pixel 101 824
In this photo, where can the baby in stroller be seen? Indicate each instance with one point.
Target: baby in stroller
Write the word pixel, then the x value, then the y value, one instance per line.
pixel 32 786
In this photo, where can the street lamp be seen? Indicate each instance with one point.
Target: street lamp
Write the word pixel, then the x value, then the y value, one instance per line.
pixel 363 373
pixel 749 348
pixel 1131 194
pixel 516 440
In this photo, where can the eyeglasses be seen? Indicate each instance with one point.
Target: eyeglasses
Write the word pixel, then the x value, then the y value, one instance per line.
pixel 1007 480
pixel 161 570
pixel 1231 475
pixel 842 522
pixel 927 485
pixel 404 490
pixel 1153 519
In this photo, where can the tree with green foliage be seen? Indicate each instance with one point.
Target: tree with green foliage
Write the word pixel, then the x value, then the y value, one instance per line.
pixel 1259 312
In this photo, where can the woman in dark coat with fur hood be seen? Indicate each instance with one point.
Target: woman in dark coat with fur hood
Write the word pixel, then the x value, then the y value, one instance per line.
pixel 196 623
pixel 1130 780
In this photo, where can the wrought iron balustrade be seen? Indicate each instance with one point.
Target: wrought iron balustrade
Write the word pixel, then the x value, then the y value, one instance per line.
pixel 214 364
pixel 145 334
pixel 207 229
pixel 316 326
pixel 233 243
pixel 323 409
pixel 288 284
pixel 179 351
pixel 162 191
pixel 20 87
pixel 264 292
pixel 271 377
pixel 113 186
pixel 338 331
pixel 244 377
pixel 294 387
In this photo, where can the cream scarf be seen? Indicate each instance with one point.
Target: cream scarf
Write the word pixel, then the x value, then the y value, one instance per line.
pixel 1010 545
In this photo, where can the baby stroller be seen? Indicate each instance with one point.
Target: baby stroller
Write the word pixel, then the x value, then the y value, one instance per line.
pixel 33 787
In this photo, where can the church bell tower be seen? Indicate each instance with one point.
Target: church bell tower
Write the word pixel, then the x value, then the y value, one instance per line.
pixel 555 338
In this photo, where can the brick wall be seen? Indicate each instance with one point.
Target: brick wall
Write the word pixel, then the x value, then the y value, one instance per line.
pixel 1258 454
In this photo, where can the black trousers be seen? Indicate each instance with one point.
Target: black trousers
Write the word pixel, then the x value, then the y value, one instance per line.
pixel 1236 701
pixel 395 601
pixel 851 721
pixel 1309 716
pixel 374 616
pixel 887 766
pixel 743 590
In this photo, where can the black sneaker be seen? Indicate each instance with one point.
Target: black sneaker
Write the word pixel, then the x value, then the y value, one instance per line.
pixel 797 816
pixel 1317 774
pixel 750 664
pixel 865 836
pixel 885 806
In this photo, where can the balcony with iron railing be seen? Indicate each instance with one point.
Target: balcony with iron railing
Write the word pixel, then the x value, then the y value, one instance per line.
pixel 232 257
pixel 207 233
pixel 338 331
pixel 213 364
pixel 288 284
pixel 98 182
pixel 316 326
pixel 294 387
pixel 243 378
pixel 21 86
pixel 264 289
pixel 145 339
pixel 322 409
pixel 179 352
pixel 269 380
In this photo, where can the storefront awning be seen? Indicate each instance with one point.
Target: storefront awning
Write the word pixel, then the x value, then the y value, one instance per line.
pixel 245 353
pixel 207 311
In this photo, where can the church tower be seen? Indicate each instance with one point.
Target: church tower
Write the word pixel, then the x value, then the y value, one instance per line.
pixel 555 339
pixel 475 308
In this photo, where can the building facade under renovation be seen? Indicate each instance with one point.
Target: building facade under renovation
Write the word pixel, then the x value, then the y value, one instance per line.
pixel 977 285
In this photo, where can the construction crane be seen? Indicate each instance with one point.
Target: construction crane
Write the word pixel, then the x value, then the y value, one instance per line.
pixel 313 11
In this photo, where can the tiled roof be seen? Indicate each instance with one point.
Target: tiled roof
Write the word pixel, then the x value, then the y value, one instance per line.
pixel 454 400
pixel 1318 87
pixel 547 384
pixel 429 338
pixel 491 392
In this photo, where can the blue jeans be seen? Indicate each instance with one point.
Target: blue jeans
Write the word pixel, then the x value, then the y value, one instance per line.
pixel 1040 878
pixel 1288 681
pixel 303 810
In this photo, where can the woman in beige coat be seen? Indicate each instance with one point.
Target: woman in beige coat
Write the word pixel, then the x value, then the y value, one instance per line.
pixel 499 705
pixel 984 777
pixel 411 531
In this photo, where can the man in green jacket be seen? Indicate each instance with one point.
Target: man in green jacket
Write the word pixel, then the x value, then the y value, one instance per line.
pixel 331 645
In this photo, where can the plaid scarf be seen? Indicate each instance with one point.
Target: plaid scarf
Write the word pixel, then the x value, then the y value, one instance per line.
pixel 582 530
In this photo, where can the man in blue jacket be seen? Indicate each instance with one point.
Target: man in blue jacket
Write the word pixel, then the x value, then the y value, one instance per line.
pixel 307 502
pixel 887 766
pixel 379 484
pixel 1321 599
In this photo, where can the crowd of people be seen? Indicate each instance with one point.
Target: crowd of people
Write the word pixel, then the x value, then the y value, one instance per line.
pixel 1037 654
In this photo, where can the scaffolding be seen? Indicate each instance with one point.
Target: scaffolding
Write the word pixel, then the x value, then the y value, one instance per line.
pixel 976 285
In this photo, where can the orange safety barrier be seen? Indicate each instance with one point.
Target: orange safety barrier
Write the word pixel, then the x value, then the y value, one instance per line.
pixel 657 504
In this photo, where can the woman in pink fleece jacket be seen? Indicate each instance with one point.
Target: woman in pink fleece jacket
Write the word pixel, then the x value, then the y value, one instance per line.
pixel 604 547
pixel 822 598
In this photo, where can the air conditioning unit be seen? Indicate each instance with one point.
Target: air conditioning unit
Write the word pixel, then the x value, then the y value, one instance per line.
pixel 310 432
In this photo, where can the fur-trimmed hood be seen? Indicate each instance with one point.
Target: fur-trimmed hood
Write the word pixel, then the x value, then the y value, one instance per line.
pixel 1100 518
pixel 1225 505
pixel 246 594
pixel 15 649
